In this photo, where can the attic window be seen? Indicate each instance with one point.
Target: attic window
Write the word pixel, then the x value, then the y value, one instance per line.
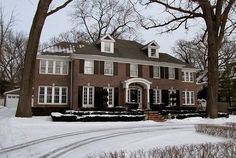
pixel 153 52
pixel 107 47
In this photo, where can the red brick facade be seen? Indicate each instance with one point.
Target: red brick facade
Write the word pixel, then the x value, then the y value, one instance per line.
pixel 99 80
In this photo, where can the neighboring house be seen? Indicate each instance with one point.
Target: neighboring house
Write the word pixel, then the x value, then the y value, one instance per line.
pixel 73 76
pixel 11 98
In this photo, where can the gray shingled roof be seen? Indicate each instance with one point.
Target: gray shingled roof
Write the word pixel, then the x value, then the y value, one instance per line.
pixel 123 49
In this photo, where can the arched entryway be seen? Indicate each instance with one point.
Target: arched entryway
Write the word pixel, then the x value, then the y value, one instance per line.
pixel 137 91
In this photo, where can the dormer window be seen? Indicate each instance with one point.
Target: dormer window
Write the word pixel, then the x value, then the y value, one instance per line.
pixel 153 52
pixel 107 47
pixel 107 44
pixel 152 49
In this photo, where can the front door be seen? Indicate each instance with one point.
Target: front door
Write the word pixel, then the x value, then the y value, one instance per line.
pixel 134 95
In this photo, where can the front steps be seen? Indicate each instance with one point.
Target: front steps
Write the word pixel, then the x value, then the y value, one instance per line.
pixel 154 116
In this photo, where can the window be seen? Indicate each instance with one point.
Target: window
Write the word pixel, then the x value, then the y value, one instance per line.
pixel 107 47
pixel 88 67
pixel 50 66
pixel 52 95
pixel 43 66
pixel 54 67
pixel 187 76
pixel 156 71
pixel 156 96
pixel 133 70
pixel 110 96
pixel 188 98
pixel 108 68
pixel 153 52
pixel 171 73
pixel 41 94
pixel 88 99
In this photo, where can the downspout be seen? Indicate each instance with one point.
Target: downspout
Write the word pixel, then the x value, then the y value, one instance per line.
pixel 71 84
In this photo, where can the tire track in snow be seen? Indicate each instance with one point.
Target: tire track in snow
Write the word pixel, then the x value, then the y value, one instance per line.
pixel 50 138
pixel 72 146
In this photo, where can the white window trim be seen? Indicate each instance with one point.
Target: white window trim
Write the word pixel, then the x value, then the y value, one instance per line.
pixel 110 105
pixel 131 75
pixel 88 105
pixel 111 43
pixel 160 101
pixel 54 67
pixel 53 91
pixel 89 73
pixel 112 67
pixel 188 99
pixel 173 78
pixel 157 77
pixel 185 76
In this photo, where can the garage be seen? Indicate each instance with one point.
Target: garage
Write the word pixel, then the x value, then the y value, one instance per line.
pixel 12 98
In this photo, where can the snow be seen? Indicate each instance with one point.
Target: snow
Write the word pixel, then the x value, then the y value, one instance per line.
pixel 40 137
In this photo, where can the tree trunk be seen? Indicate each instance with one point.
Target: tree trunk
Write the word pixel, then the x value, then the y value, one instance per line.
pixel 24 105
pixel 213 76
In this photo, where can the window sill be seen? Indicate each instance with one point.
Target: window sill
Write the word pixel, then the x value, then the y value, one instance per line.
pixel 108 74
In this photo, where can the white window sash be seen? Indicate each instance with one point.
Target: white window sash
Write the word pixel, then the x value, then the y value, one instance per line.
pixel 87 97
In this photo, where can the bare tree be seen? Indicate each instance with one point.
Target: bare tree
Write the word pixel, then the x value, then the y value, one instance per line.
pixel 219 20
pixel 13 57
pixel 195 52
pixel 24 105
pixel 99 17
pixel 73 36
pixel 5 30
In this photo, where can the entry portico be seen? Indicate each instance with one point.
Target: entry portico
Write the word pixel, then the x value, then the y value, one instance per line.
pixel 133 89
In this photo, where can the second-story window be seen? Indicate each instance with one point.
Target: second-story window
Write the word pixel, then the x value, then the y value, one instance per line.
pixel 54 67
pixel 89 67
pixel 171 73
pixel 187 76
pixel 133 70
pixel 108 68
pixel 156 71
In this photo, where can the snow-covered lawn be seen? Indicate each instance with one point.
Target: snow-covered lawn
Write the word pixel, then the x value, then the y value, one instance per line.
pixel 40 137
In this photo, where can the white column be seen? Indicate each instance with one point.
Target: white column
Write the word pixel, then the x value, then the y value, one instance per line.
pixel 126 94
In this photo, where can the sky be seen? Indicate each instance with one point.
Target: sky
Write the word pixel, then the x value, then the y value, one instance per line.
pixel 24 10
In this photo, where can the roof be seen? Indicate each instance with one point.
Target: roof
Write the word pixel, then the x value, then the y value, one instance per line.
pixel 13 91
pixel 123 49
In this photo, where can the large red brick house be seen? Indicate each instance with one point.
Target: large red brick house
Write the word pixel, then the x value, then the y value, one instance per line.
pixel 73 76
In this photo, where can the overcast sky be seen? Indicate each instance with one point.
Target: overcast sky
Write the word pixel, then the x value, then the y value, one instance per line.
pixel 24 11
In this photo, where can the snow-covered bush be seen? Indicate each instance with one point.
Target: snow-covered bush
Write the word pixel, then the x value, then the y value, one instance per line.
pixel 208 150
pixel 226 130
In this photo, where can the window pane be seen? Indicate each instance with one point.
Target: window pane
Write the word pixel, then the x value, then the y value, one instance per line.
pixel 154 97
pixel 107 47
pixel 156 71
pixel 171 73
pixel 56 94
pixel 188 98
pixel 50 66
pixel 108 68
pixel 65 67
pixel 153 52
pixel 58 67
pixel 191 76
pixel 88 67
pixel 187 76
pixel 90 96
pixel 85 95
pixel 133 70
pixel 192 98
pixel 63 95
pixel 43 66
pixel 49 94
pixel 41 94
